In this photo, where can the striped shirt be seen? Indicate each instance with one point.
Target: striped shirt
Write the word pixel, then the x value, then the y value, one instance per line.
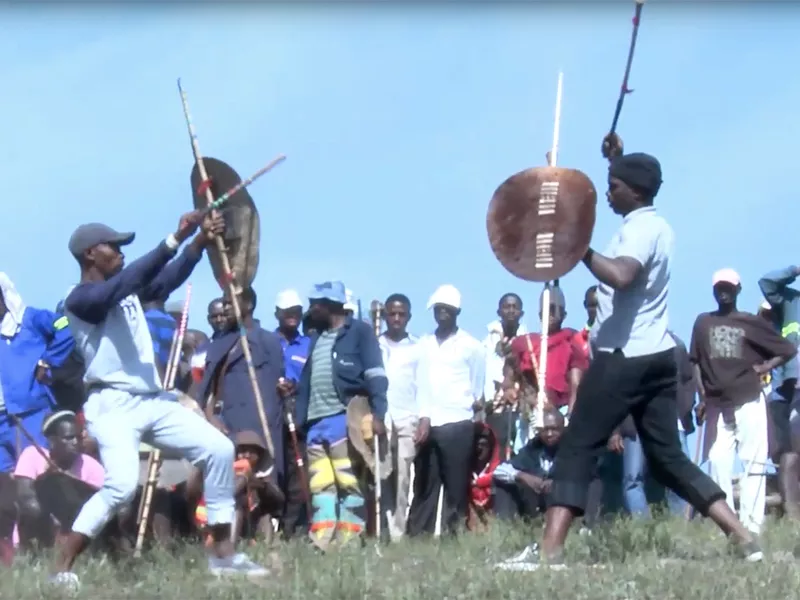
pixel 324 401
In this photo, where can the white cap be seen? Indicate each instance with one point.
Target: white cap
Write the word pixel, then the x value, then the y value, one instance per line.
pixel 351 302
pixel 726 276
pixel 446 294
pixel 765 306
pixel 288 299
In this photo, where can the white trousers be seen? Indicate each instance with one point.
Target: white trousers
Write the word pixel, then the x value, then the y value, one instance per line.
pixel 120 422
pixel 403 431
pixel 747 439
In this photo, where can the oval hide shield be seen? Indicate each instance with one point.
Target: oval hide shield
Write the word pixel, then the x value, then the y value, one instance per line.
pixel 242 225
pixel 540 222
pixel 359 432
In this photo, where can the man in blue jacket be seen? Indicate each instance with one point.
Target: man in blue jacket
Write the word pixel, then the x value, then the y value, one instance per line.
pixel 784 303
pixel 226 378
pixel 344 361
pixel 32 340
pixel 35 340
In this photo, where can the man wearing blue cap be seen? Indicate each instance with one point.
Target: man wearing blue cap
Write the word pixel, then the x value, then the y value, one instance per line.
pixel 344 361
pixel 126 403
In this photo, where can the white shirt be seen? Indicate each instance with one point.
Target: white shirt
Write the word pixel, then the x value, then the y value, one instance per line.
pixel 400 363
pixel 635 319
pixel 494 362
pixel 450 377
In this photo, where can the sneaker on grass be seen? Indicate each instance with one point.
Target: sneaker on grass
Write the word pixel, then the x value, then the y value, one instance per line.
pixel 67 580
pixel 530 560
pixel 236 564
pixel 750 551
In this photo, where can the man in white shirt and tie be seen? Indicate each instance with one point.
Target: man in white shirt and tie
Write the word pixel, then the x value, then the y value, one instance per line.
pixel 399 359
pixel 450 376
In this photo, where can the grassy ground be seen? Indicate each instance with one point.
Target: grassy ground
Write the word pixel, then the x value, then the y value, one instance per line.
pixel 660 559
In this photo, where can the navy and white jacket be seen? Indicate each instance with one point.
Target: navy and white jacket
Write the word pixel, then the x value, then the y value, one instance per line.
pixel 357 369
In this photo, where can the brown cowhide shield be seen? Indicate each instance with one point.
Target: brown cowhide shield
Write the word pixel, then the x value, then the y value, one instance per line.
pixel 62 495
pixel 540 222
pixel 242 225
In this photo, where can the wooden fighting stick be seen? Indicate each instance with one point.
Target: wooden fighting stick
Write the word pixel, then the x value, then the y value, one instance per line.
pixel 205 185
pixel 154 465
pixel 298 456
pixel 607 147
pixel 377 311
pixel 154 457
pixel 41 451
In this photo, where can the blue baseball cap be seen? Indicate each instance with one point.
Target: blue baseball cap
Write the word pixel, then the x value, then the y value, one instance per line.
pixel 330 290
pixel 90 235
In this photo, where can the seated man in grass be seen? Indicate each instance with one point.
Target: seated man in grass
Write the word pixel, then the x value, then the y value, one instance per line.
pixel 36 521
pixel 521 485
pixel 258 499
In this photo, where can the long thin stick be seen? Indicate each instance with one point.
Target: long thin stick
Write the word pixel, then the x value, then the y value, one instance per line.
pixel 698 448
pixel 625 90
pixel 243 184
pixel 150 456
pixel 543 349
pixel 376 446
pixel 298 456
pixel 50 462
pixel 231 284
pixel 553 156
pixel 154 458
pixel 532 425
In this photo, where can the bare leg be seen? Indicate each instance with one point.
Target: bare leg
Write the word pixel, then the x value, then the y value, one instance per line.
pixel 728 522
pixel 789 482
pixel 222 545
pixel 73 546
pixel 557 523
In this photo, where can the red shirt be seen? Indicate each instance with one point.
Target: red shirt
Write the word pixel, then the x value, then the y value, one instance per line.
pixel 582 340
pixel 565 352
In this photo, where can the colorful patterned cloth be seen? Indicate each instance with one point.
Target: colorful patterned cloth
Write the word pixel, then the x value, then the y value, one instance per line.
pixel 337 500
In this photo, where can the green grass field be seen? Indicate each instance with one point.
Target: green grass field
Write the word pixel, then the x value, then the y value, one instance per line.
pixel 659 559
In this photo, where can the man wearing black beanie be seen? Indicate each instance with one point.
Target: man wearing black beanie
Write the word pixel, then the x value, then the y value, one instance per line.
pixel 633 371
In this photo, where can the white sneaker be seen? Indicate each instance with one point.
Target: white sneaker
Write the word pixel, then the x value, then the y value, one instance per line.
pixel 529 560
pixel 237 564
pixel 67 580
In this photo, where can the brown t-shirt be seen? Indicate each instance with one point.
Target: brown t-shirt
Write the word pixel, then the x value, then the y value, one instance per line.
pixel 726 348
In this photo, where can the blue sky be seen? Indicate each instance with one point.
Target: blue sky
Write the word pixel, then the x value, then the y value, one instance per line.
pixel 398 123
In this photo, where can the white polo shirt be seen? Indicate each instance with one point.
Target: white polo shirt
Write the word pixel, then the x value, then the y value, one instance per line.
pixel 449 377
pixel 635 319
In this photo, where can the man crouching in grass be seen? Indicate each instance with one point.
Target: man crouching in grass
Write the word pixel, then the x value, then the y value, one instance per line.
pixel 258 499
pixel 36 522
pixel 521 485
